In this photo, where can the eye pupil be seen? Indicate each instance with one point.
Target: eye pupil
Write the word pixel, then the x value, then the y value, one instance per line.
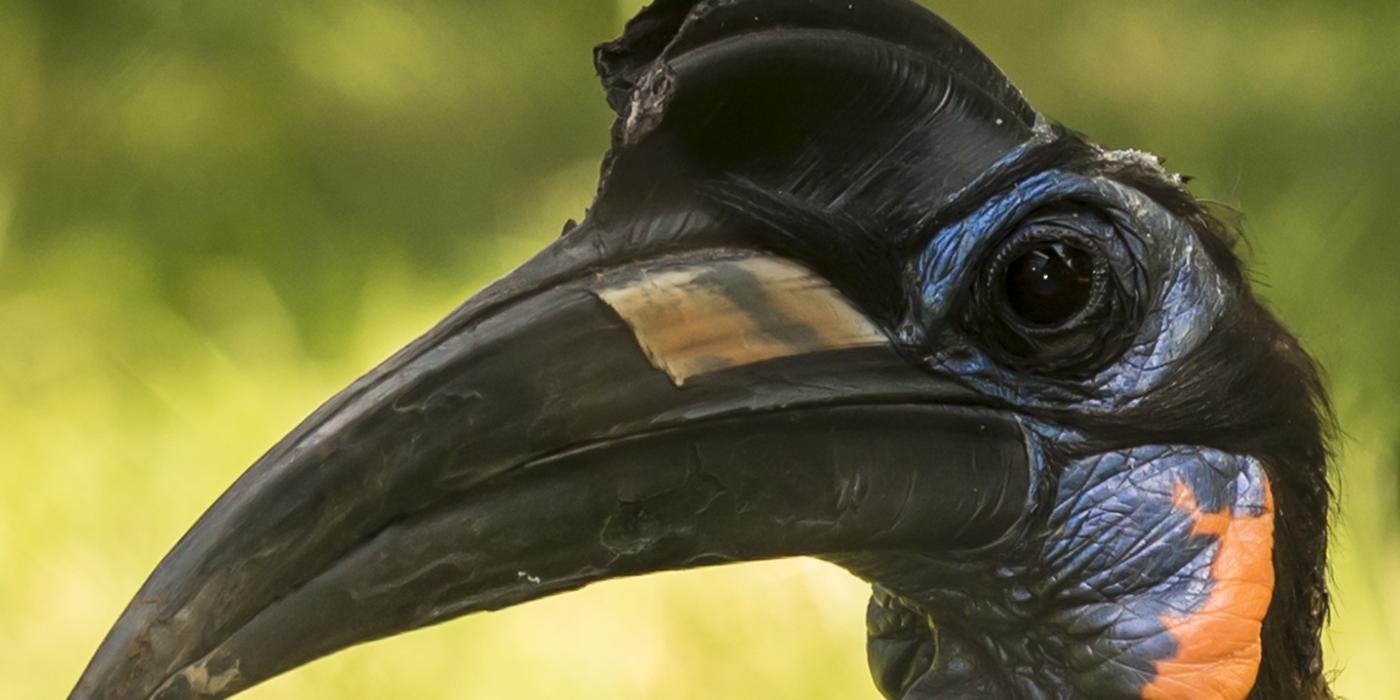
pixel 1049 284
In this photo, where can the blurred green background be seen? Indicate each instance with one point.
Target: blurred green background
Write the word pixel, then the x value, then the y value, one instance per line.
pixel 215 214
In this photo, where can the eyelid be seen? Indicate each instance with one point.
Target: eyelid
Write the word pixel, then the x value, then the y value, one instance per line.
pixel 1090 219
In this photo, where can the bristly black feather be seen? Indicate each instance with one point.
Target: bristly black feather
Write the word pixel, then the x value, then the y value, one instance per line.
pixel 862 234
pixel 858 253
pixel 1218 228
pixel 1066 150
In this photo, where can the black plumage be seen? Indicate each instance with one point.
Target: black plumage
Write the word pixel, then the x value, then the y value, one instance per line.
pixel 783 329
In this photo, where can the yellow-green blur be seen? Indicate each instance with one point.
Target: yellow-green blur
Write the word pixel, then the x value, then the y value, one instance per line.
pixel 215 214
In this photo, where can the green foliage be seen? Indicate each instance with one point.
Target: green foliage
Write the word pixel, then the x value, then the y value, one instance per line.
pixel 213 215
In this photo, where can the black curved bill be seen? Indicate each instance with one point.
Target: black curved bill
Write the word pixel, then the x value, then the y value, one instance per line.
pixel 666 414
pixel 614 407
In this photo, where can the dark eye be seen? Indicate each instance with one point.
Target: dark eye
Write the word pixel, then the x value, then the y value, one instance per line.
pixel 1048 299
pixel 1049 283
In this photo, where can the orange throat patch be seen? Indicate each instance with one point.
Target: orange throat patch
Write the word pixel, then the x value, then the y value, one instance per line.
pixel 1218 646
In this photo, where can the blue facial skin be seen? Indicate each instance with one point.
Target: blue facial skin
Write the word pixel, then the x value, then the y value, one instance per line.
pixel 1073 602
pixel 1154 255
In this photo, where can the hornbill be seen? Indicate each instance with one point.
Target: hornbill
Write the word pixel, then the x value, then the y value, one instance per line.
pixel 843 293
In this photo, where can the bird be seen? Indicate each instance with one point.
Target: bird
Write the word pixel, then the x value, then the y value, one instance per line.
pixel 843 293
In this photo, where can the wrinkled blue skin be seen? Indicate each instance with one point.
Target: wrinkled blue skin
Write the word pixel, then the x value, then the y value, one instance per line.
pixel 1155 255
pixel 1071 603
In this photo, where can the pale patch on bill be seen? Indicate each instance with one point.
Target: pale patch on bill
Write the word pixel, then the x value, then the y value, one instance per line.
pixel 701 316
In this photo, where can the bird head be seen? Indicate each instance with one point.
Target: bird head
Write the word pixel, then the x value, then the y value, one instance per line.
pixel 843 293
